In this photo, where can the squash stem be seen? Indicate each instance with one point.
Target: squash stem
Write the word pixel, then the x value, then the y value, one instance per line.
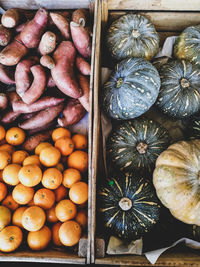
pixel 125 204
pixel 119 82
pixel 142 148
pixel 184 83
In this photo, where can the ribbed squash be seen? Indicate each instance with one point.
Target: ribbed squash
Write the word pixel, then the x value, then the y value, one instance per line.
pixel 128 205
pixel 193 128
pixel 135 145
pixel 131 90
pixel 132 35
pixel 177 180
pixel 187 45
pixel 179 95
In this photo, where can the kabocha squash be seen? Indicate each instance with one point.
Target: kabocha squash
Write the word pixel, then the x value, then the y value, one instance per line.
pixel 176 180
pixel 132 35
pixel 187 45
pixel 179 95
pixel 193 128
pixel 132 89
pixel 128 206
pixel 135 145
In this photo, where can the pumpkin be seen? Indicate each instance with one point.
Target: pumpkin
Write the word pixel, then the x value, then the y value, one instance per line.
pixel 193 128
pixel 132 35
pixel 128 207
pixel 179 95
pixel 187 45
pixel 176 180
pixel 132 89
pixel 135 145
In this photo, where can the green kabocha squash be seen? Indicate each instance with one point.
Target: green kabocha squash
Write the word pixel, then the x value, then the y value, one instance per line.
pixel 179 95
pixel 132 35
pixel 128 206
pixel 135 145
pixel 193 128
pixel 131 90
pixel 176 179
pixel 187 45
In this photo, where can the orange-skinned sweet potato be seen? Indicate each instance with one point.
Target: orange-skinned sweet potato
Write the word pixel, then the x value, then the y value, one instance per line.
pixel 85 86
pixel 47 61
pixel 62 23
pixel 5 35
pixel 82 65
pixel 10 18
pixel 80 16
pixel 47 43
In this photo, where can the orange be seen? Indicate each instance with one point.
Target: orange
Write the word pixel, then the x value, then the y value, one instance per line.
pixel 70 233
pixel 41 146
pixel 22 194
pixel 3 191
pixel 17 216
pixel 1 176
pixel 52 178
pixel 30 175
pixel 80 141
pixel 10 174
pixel 10 203
pixel 10 238
pixel 65 145
pixel 65 210
pixel 15 136
pixel 59 133
pixel 78 160
pixel 81 218
pixel 2 132
pixel 5 217
pixel 33 218
pixel 60 193
pixel 19 156
pixel 44 198
pixel 51 215
pixel 33 159
pixel 71 176
pixel 55 234
pixel 78 193
pixel 40 239
pixel 50 156
pixel 31 203
pixel 5 159
pixel 8 148
pixel 60 167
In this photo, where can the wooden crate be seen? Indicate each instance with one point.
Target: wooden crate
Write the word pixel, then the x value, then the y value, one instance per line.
pixel 81 255
pixel 170 17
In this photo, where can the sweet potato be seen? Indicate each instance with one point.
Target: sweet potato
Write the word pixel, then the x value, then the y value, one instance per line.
pixel 3 101
pixel 80 16
pixel 47 61
pixel 46 127
pixel 20 27
pixel 13 52
pixel 81 39
pixel 50 82
pixel 83 66
pixel 34 29
pixel 27 116
pixel 38 85
pixel 85 86
pixel 5 35
pixel 72 113
pixel 34 140
pixel 9 116
pixel 47 43
pixel 63 73
pixel 62 23
pixel 42 118
pixel 6 75
pixel 13 96
pixel 10 18
pixel 22 74
pixel 42 103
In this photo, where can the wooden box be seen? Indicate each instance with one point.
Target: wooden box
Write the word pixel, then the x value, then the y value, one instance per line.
pixel 170 17
pixel 81 254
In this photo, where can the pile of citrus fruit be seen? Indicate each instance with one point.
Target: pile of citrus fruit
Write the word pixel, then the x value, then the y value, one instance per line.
pixel 43 196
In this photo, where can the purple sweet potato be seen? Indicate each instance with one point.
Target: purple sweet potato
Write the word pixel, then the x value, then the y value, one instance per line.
pixel 46 127
pixel 85 86
pixel 62 23
pixel 13 96
pixel 5 35
pixel 3 101
pixel 50 82
pixel 6 75
pixel 10 18
pixel 80 16
pixel 47 43
pixel 9 116
pixel 83 66
pixel 20 27
pixel 47 61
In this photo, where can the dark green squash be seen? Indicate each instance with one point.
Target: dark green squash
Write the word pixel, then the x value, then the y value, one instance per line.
pixel 135 145
pixel 187 45
pixel 132 35
pixel 193 128
pixel 179 95
pixel 131 90
pixel 128 207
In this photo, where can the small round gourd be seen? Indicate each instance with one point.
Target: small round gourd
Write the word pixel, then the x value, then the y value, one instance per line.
pixel 179 95
pixel 135 145
pixel 176 179
pixel 132 35
pixel 128 207
pixel 187 45
pixel 131 90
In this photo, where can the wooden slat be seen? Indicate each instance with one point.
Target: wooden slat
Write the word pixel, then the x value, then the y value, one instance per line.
pixel 49 4
pixel 170 5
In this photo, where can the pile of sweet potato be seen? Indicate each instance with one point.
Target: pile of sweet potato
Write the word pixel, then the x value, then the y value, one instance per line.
pixel 45 56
